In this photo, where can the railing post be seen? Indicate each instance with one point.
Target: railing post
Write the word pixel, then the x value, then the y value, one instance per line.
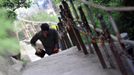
pixel 108 57
pixel 112 46
pixel 71 23
pixel 94 42
pixel 74 10
pixel 90 15
pixel 61 37
pixel 64 36
pixel 116 31
pixel 62 13
pixel 77 19
pixel 126 58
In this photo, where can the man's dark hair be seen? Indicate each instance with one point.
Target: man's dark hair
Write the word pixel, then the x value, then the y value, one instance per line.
pixel 44 27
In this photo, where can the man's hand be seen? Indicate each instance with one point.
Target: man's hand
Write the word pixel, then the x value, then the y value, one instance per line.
pixel 38 50
pixel 56 50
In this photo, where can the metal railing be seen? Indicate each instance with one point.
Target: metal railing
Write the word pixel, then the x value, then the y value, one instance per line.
pixel 121 57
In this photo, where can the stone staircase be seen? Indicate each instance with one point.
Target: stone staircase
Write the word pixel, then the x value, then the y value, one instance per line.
pixel 68 62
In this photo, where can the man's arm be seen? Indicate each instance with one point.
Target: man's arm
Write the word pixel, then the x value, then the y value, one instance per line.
pixel 33 42
pixel 34 39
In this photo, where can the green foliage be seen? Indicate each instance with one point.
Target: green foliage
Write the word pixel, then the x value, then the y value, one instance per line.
pixel 8 42
pixel 11 14
pixel 108 2
pixel 57 1
pixel 12 5
pixel 42 16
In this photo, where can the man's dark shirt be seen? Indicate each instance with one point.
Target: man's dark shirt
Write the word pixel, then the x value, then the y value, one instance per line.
pixel 49 42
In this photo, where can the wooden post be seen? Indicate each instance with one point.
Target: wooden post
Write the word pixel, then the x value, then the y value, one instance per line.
pixel 64 23
pixel 25 31
pixel 64 36
pixel 126 58
pixel 91 16
pixel 71 26
pixel 77 18
pixel 90 13
pixel 94 42
pixel 33 28
pixel 112 46
pixel 67 41
pixel 74 10
pixel 116 31
pixel 61 37
pixel 108 57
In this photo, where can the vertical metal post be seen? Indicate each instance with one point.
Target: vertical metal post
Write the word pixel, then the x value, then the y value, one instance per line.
pixel 25 31
pixel 67 41
pixel 62 13
pixel 64 36
pixel 116 31
pixel 108 57
pixel 94 42
pixel 74 10
pixel 71 25
pixel 77 17
pixel 61 37
pixel 124 56
pixel 112 46
pixel 90 16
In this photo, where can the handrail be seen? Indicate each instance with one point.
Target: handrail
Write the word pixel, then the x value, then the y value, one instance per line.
pixel 110 9
pixel 129 42
pixel 113 36
pixel 22 19
pixel 129 8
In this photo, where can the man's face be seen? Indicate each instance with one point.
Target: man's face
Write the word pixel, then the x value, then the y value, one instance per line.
pixel 45 33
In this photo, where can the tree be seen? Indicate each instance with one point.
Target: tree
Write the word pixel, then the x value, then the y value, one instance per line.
pixel 9 44
pixel 126 19
pixel 12 5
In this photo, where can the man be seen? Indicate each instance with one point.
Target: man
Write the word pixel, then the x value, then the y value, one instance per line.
pixel 49 39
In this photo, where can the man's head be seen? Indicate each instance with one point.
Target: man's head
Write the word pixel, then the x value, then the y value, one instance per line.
pixel 44 27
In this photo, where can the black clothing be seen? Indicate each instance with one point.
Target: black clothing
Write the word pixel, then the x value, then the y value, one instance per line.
pixel 50 42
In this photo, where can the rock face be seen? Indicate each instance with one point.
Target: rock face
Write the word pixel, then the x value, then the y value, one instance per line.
pixel 9 66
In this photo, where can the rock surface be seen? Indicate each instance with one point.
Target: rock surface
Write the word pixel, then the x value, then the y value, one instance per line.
pixel 69 62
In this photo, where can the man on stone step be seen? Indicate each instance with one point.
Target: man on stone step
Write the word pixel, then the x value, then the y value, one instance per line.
pixel 49 38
